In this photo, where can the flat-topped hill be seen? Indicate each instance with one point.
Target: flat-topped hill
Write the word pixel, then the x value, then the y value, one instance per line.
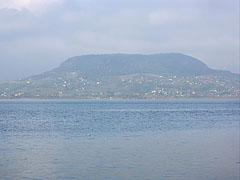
pixel 125 64
pixel 127 76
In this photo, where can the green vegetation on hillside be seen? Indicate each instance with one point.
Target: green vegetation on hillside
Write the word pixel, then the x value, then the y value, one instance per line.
pixel 127 77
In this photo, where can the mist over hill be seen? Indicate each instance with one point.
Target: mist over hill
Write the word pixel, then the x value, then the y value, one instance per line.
pixel 127 76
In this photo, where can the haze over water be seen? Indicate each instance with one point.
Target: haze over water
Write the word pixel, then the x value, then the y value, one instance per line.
pixel 137 140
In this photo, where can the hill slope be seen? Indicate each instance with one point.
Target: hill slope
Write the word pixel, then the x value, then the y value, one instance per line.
pixel 124 64
pixel 169 75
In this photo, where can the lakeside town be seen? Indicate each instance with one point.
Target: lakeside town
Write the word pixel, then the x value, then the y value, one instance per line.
pixel 135 86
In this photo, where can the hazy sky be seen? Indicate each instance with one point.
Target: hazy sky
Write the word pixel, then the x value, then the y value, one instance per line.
pixel 37 35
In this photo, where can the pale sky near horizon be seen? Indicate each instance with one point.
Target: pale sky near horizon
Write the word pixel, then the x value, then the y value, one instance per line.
pixel 37 35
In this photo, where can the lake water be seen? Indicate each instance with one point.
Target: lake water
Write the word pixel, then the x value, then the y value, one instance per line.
pixel 119 140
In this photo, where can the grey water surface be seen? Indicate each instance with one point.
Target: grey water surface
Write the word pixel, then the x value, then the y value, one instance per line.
pixel 119 140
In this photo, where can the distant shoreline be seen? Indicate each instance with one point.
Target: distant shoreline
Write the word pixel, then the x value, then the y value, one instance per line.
pixel 122 99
